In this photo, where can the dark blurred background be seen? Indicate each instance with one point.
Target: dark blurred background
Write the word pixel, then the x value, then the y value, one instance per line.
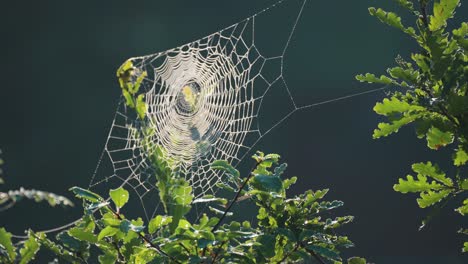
pixel 59 94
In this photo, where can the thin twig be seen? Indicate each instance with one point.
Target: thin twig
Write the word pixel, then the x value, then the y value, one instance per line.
pixel 234 200
pixel 311 252
pixel 289 253
pixel 120 256
pixel 184 247
pixel 422 7
pixel 217 252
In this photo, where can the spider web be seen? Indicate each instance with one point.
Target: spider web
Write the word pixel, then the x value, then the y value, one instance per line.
pixel 204 103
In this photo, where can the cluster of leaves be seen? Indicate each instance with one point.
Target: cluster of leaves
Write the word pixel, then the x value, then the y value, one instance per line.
pixel 289 230
pixel 130 80
pixel 432 95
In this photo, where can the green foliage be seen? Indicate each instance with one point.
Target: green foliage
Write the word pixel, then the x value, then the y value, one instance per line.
pixel 130 80
pixel 431 93
pixel 14 196
pixel 443 10
pixel 7 248
pixel 29 250
pixel 289 229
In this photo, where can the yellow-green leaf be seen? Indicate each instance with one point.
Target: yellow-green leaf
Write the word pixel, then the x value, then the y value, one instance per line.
pixel 437 138
pixel 433 171
pixel 431 197
pixel 5 241
pixel 119 196
pixel 158 222
pixel 141 106
pixel 107 231
pixel 415 185
pixel 29 250
pixel 463 210
pixel 443 10
pixel 461 157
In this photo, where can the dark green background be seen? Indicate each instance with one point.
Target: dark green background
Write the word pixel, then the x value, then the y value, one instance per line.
pixel 59 93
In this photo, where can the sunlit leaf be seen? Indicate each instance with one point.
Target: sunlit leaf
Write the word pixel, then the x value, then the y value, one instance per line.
pixel 431 197
pixel 225 166
pixel 391 19
pixel 443 10
pixel 119 196
pixel 86 194
pixel 357 260
pixel 158 222
pixel 437 138
pixel 371 78
pixel 395 105
pixel 83 235
pixel 415 185
pixel 29 250
pixel 141 106
pixel 433 171
pixel 107 231
pixel 460 158
pixel 5 241
pixel 463 210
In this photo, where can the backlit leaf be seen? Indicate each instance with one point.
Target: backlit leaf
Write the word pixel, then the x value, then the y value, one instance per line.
pixel 437 138
pixel 158 222
pixel 5 241
pixel 141 106
pixel 356 260
pixel 463 210
pixel 433 171
pixel 119 196
pixel 415 185
pixel 391 19
pixel 29 250
pixel 443 10
pixel 225 166
pixel 86 194
pixel 431 197
pixel 107 231
pixel 371 78
pixel 461 157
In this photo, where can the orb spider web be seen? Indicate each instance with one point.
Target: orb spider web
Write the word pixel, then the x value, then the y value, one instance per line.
pixel 204 103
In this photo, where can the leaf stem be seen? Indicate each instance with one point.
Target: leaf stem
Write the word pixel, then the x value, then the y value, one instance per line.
pixel 422 7
pixel 217 252
pixel 311 252
pixel 233 201
pixel 296 247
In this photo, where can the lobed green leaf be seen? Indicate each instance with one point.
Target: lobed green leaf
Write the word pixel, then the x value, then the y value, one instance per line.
pixel 431 197
pixel 415 185
pixel 29 250
pixel 442 10
pixel 437 138
pixel 391 19
pixel 5 241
